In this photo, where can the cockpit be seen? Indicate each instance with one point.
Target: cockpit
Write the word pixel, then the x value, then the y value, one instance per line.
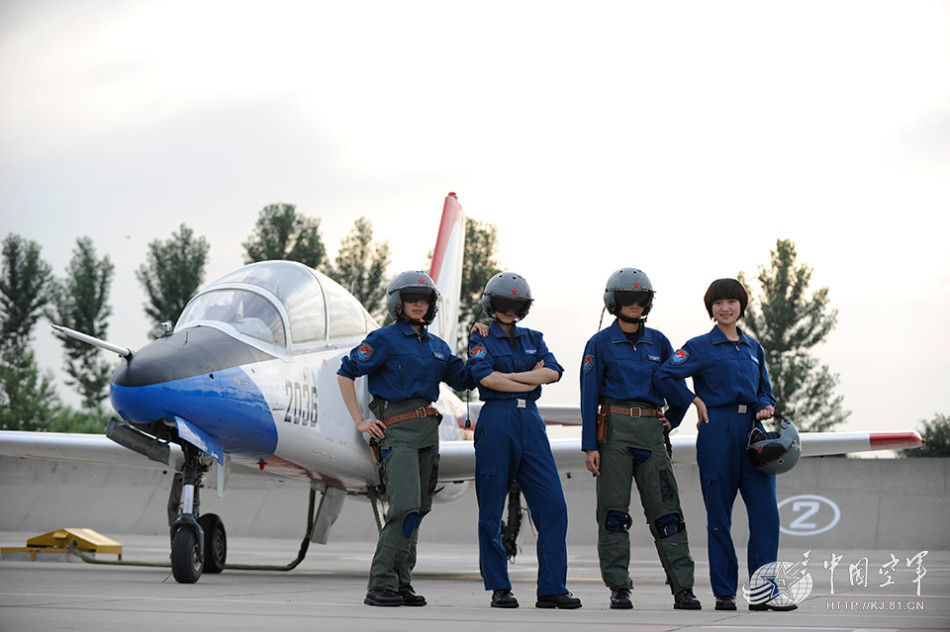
pixel 280 303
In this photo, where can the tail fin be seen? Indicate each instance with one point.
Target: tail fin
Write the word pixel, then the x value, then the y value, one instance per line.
pixel 447 269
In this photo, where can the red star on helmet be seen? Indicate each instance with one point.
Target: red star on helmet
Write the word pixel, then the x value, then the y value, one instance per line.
pixel 514 290
pixel 636 284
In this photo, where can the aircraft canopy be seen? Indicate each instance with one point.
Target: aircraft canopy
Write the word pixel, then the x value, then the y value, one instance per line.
pixel 317 308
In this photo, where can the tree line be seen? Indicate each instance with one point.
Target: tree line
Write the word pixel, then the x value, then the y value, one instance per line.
pixel 784 315
pixel 173 271
pixel 789 321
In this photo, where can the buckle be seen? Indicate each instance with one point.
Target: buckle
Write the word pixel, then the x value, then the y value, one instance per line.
pixel 419 413
pixel 743 409
pixel 521 403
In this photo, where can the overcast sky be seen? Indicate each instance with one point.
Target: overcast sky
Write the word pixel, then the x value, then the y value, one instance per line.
pixel 683 138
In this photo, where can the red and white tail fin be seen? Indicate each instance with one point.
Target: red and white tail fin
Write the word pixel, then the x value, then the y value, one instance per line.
pixel 447 269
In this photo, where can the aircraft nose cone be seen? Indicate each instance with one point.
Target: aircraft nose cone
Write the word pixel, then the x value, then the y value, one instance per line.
pixel 198 376
pixel 193 351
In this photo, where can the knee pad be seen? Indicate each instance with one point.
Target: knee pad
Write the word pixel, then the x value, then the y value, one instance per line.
pixel 410 523
pixel 669 525
pixel 617 521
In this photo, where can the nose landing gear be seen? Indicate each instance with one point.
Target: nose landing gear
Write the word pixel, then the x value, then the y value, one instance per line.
pixel 199 543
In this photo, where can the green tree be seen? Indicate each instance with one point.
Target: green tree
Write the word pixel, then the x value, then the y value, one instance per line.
pixel 360 267
pixel 281 233
pixel 172 272
pixel 66 419
pixel 81 303
pixel 788 323
pixel 478 266
pixel 28 398
pixel 24 281
pixel 936 433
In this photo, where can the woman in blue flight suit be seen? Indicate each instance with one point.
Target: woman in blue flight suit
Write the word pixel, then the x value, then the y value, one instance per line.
pixel 405 365
pixel 617 381
pixel 733 395
pixel 510 364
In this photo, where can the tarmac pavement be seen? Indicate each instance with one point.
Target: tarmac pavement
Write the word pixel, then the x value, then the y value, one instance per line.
pixel 325 593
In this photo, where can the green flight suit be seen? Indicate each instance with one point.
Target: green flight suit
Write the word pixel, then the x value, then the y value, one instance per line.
pixel 409 468
pixel 635 449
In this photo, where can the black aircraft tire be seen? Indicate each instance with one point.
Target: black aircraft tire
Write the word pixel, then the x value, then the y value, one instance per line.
pixel 216 543
pixel 186 562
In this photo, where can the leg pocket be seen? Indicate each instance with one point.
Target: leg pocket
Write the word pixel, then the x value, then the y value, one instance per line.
pixel 667 486
pixel 486 474
pixel 434 475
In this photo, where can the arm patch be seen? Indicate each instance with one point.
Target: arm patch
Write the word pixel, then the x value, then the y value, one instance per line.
pixel 365 352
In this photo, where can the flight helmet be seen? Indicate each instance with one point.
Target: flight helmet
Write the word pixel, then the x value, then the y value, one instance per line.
pixel 775 452
pixel 507 291
pixel 412 283
pixel 625 284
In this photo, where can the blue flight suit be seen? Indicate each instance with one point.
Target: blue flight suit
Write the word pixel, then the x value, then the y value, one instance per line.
pixel 404 370
pixel 511 444
pixel 732 380
pixel 616 368
pixel 618 371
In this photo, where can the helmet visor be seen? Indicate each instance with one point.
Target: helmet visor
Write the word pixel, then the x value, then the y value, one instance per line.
pixel 625 298
pixel 505 305
pixel 416 296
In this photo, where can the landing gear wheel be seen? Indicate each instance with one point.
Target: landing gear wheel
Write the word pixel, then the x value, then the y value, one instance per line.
pixel 186 561
pixel 216 543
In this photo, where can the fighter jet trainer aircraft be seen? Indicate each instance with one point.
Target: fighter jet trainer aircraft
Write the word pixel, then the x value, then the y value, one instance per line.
pixel 245 384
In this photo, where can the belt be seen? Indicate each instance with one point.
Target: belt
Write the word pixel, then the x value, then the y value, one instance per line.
pixel 418 413
pixel 740 409
pixel 631 412
pixel 511 403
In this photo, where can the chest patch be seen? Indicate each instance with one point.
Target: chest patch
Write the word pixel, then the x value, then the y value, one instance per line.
pixel 364 353
pixel 588 363
pixel 679 357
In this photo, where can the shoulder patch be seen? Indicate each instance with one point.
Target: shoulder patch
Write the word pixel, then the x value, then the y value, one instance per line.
pixel 364 353
pixel 679 357
pixel 588 363
pixel 479 352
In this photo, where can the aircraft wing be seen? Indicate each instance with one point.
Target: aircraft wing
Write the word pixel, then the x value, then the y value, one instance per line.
pixel 94 449
pixel 457 458
pixel 75 448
